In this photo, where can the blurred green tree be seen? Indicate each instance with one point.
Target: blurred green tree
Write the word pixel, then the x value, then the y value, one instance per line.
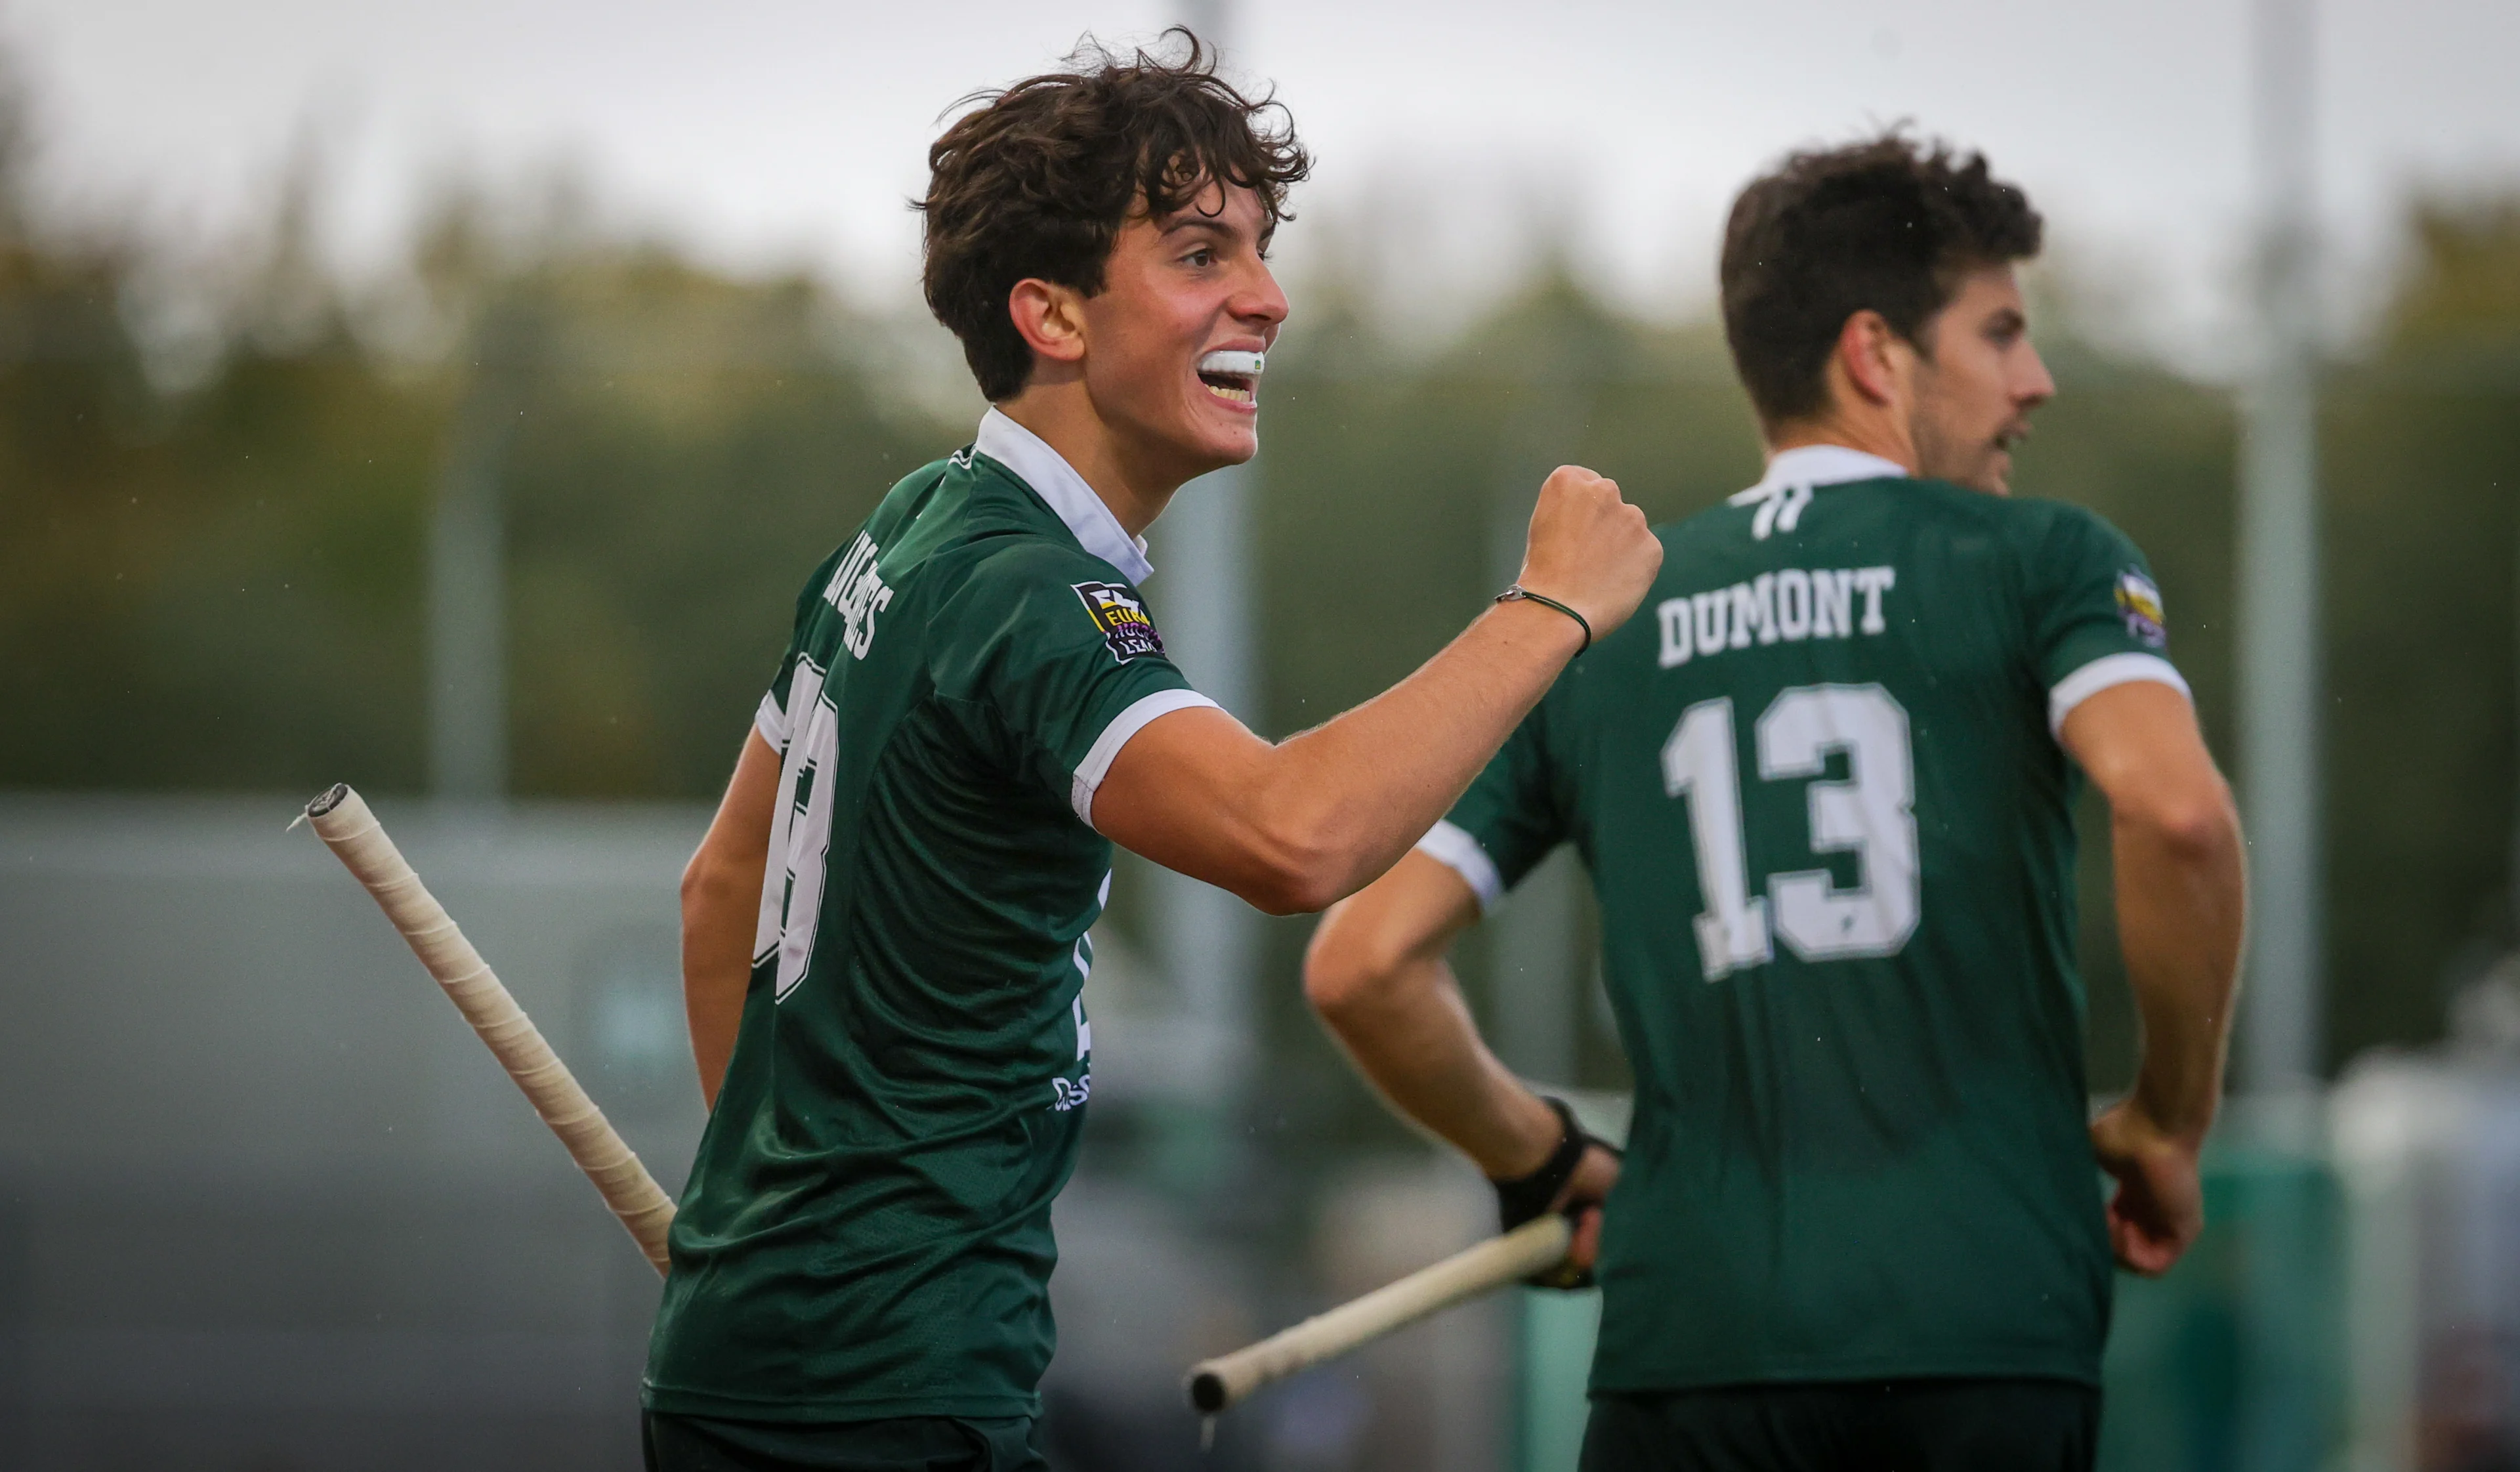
pixel 2422 439
pixel 204 588
pixel 221 585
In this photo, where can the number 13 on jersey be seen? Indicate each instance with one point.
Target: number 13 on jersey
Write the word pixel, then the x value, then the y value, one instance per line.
pixel 1869 814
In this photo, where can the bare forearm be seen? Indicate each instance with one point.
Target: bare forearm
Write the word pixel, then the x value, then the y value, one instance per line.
pixel 1414 1038
pixel 2181 908
pixel 2182 896
pixel 717 968
pixel 1376 974
pixel 1296 826
pixel 1366 787
pixel 721 904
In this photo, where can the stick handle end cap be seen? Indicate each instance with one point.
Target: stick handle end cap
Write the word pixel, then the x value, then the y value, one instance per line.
pixel 1208 1392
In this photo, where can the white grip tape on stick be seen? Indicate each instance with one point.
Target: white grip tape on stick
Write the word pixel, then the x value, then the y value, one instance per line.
pixel 343 821
pixel 1536 1246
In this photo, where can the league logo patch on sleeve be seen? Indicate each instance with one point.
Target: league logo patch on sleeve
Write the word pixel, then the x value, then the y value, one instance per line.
pixel 1127 631
pixel 2139 605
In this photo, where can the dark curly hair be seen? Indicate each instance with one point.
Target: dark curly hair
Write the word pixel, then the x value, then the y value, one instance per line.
pixel 1038 182
pixel 1887 224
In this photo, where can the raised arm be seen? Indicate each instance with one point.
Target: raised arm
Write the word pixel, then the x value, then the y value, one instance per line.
pixel 721 906
pixel 1294 827
pixel 2182 899
pixel 1377 976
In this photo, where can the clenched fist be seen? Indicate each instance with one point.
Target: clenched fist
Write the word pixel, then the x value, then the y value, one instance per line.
pixel 2160 1203
pixel 1589 549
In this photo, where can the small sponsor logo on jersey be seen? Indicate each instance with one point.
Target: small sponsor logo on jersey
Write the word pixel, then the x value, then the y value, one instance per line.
pixel 1788 606
pixel 2139 605
pixel 1122 618
pixel 1065 1096
pixel 859 593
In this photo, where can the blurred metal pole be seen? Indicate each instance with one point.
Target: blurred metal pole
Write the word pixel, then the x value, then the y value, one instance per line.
pixel 1207 19
pixel 1207 941
pixel 2282 1008
pixel 467 607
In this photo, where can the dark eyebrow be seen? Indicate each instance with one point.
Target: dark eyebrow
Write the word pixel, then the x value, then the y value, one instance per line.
pixel 1192 219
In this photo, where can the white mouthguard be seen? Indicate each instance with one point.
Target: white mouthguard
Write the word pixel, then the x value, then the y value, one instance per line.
pixel 1239 363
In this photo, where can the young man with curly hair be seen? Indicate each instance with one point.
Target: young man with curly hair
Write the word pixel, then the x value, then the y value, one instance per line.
pixel 884 931
pixel 1825 794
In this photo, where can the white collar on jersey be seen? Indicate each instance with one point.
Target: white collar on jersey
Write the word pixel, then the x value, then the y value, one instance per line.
pixel 1057 482
pixel 1781 494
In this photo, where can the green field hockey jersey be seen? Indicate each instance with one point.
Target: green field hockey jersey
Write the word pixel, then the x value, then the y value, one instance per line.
pixel 1817 784
pixel 865 1233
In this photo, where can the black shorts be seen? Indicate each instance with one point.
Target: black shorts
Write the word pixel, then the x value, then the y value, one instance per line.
pixel 912 1443
pixel 1864 1426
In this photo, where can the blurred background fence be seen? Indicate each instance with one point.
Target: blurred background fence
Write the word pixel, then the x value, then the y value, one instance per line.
pixel 262 1204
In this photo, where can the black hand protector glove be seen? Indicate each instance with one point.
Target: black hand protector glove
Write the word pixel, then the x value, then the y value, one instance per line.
pixel 1525 1198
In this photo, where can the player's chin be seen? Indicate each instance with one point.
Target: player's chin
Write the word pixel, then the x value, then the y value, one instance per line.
pixel 1227 433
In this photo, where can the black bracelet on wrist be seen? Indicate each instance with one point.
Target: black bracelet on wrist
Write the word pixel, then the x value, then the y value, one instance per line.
pixel 1524 1197
pixel 1520 594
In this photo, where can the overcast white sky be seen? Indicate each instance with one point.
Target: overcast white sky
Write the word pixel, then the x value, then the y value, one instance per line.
pixel 768 132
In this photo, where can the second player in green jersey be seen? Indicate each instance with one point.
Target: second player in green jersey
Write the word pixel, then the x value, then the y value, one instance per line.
pixel 1831 829
pixel 1825 793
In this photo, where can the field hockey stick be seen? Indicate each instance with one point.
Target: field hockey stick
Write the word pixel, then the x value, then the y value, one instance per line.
pixel 343 821
pixel 1535 1246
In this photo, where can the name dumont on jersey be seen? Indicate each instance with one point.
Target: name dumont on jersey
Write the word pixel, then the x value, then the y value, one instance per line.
pixel 1791 606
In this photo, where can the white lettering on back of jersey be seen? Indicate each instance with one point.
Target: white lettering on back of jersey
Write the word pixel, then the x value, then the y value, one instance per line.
pixel 1787 607
pixel 1754 610
pixel 859 593
pixel 1833 595
pixel 1872 582
pixel 800 832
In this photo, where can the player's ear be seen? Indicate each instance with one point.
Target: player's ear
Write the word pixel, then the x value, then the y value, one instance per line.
pixel 1867 353
pixel 1051 319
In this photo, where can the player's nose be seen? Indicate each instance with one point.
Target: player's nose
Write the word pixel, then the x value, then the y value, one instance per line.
pixel 2034 385
pixel 1258 299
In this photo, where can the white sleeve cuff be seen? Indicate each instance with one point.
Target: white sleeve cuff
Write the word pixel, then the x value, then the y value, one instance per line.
pixel 772 722
pixel 2104 673
pixel 1451 845
pixel 1106 746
